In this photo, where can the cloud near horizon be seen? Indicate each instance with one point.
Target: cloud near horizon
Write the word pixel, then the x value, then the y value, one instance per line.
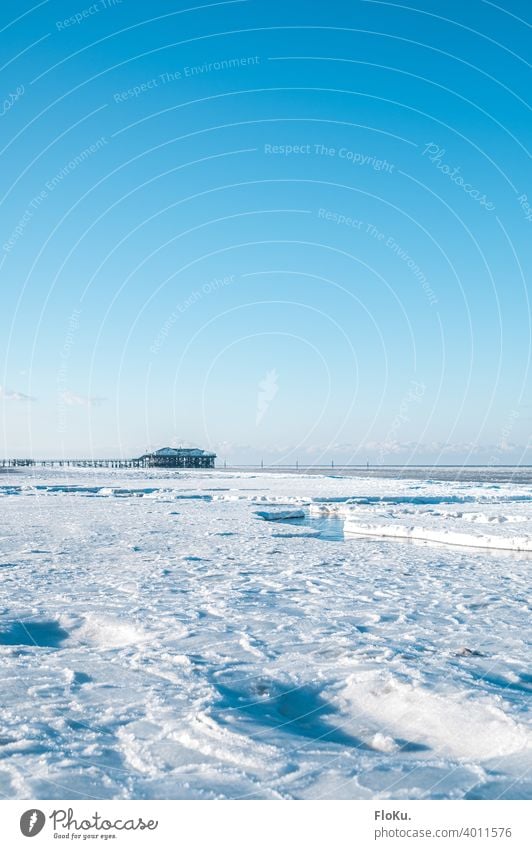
pixel 72 399
pixel 13 395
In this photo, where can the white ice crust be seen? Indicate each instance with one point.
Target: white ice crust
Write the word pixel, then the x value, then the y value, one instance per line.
pixel 159 639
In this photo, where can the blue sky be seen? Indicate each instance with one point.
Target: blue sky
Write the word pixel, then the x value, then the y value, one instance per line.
pixel 280 231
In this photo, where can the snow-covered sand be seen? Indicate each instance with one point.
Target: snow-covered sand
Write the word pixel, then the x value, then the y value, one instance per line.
pixel 161 637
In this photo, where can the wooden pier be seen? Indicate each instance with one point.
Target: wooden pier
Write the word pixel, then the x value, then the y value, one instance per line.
pixel 18 462
pixel 164 458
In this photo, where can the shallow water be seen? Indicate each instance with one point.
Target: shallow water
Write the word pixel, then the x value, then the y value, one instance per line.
pixel 330 527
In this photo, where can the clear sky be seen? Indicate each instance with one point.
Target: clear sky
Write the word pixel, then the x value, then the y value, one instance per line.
pixel 275 230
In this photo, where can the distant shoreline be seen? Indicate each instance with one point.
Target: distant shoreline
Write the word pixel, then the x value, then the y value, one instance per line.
pixel 467 474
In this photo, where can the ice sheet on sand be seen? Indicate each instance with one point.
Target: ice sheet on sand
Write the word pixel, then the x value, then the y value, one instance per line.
pixel 280 515
pixel 445 536
pixel 450 722
pixel 150 650
pixel 502 527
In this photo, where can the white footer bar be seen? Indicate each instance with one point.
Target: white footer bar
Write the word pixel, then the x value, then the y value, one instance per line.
pixel 267 825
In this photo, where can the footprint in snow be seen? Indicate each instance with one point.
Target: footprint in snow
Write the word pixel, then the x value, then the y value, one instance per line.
pixel 465 652
pixel 80 678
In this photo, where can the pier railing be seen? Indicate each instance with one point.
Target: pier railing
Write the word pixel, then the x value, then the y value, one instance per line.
pixel 93 463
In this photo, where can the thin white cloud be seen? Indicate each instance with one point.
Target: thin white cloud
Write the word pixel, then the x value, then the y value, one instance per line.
pixel 72 399
pixel 12 395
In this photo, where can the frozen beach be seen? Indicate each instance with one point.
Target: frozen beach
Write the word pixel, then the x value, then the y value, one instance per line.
pixel 178 635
